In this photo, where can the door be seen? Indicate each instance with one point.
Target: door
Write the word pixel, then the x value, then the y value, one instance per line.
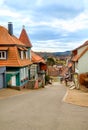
pixel 13 80
pixel 1 81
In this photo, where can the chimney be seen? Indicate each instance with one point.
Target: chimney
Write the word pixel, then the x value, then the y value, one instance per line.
pixel 10 28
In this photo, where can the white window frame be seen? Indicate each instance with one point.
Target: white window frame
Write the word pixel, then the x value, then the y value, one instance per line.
pixel 26 71
pixel 23 73
pixel 1 56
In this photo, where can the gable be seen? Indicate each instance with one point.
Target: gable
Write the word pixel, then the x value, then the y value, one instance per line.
pixel 24 38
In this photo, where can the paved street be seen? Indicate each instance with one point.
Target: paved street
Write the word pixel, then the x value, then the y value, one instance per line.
pixel 42 109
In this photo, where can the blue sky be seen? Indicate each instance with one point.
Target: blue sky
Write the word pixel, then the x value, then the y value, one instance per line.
pixel 52 25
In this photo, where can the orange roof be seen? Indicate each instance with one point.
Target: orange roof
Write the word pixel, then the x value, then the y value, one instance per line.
pixel 11 44
pixel 36 58
pixel 3 48
pixel 83 53
pixel 6 38
pixel 84 44
pixel 17 41
pixel 24 38
pixel 13 59
pixel 76 57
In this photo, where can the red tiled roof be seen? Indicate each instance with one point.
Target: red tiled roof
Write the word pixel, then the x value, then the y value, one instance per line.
pixel 84 44
pixel 83 52
pixel 10 44
pixel 24 38
pixel 3 48
pixel 13 59
pixel 76 57
pixel 6 38
pixel 36 58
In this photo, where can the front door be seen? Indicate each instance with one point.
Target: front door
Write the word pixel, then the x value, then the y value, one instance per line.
pixel 13 80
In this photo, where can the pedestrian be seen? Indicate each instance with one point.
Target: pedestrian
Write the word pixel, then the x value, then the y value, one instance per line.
pixel 66 78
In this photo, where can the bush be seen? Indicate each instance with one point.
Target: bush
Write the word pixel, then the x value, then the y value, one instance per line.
pixel 47 78
pixel 83 79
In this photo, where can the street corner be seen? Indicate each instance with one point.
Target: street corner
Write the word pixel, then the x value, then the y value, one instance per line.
pixel 76 97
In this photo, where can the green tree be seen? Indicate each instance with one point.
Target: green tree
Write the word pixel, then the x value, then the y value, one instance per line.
pixel 50 61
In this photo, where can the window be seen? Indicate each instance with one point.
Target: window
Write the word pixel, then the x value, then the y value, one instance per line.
pixel 2 54
pixel 26 52
pixel 23 73
pixel 33 71
pixel 22 54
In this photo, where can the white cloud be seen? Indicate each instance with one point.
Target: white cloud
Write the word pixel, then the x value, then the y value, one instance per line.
pixel 1 2
pixel 72 25
pixel 29 18
pixel 8 12
pixel 56 45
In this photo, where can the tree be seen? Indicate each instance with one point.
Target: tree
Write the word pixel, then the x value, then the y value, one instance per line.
pixel 50 61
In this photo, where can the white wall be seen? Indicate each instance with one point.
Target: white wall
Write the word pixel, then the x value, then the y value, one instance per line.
pixel 80 50
pixel 83 63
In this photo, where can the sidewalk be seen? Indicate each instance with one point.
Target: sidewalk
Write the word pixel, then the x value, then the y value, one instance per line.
pixel 76 97
pixel 5 93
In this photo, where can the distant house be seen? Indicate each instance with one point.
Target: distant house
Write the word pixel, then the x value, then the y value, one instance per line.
pixel 15 56
pixel 53 71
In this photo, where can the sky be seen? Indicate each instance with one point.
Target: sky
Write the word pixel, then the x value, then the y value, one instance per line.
pixel 52 25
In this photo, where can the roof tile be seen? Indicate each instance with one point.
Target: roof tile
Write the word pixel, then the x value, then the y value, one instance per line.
pixel 6 38
pixel 24 38
pixel 10 44
pixel 36 58
pixel 14 60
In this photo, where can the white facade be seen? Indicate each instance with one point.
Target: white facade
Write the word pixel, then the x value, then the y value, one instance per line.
pixel 83 63
pixel 80 50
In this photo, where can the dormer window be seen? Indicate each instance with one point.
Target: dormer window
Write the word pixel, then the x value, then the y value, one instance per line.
pixel 22 54
pixel 23 51
pixel 2 54
pixel 26 52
